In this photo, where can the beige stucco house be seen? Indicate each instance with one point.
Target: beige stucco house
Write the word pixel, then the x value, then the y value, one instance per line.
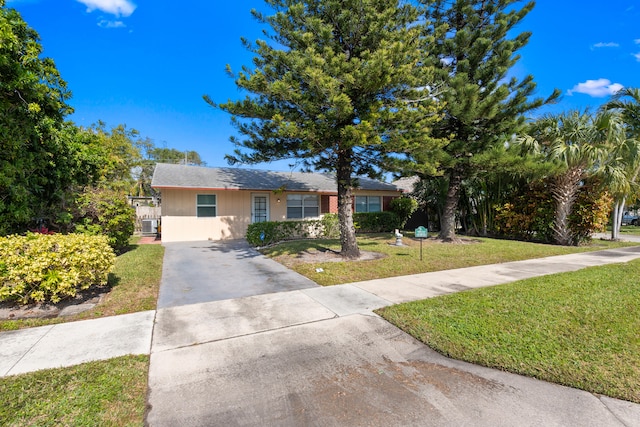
pixel 201 203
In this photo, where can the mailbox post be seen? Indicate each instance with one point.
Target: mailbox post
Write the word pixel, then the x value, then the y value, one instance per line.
pixel 421 233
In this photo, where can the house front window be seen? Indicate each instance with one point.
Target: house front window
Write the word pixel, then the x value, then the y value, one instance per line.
pixel 206 205
pixel 368 204
pixel 302 206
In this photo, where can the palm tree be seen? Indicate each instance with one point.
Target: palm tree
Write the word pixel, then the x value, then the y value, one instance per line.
pixel 626 103
pixel 579 144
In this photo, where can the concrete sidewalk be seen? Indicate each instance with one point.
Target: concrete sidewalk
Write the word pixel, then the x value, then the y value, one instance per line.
pixel 319 356
pixel 72 343
pixel 68 344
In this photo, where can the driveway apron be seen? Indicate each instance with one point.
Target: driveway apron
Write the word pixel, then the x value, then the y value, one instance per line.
pixel 197 272
pixel 241 341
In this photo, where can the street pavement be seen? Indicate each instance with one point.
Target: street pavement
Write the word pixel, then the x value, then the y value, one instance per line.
pixel 301 354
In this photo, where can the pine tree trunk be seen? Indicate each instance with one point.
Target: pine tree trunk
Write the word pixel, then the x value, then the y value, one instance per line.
pixel 564 192
pixel 448 218
pixel 348 242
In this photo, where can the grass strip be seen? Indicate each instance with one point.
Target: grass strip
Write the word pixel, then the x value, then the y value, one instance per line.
pixel 578 329
pixel 403 260
pixel 105 393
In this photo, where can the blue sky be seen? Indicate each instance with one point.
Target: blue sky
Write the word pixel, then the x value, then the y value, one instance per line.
pixel 147 63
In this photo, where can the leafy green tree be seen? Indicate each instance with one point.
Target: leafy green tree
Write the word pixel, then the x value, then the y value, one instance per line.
pixel 35 165
pixel 338 86
pixel 474 51
pixel 103 211
pixel 120 151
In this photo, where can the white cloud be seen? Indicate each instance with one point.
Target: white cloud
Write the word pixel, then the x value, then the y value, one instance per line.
pixel 637 41
pixel 596 88
pixel 103 23
pixel 637 56
pixel 608 44
pixel 114 7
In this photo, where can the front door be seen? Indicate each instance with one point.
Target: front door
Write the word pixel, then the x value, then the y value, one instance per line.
pixel 260 208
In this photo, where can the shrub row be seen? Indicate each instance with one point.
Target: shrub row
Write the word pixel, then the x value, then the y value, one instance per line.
pixel 266 233
pixel 377 222
pixel 49 268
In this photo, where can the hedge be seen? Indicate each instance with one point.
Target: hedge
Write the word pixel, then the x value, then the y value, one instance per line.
pixel 49 268
pixel 376 222
pixel 269 232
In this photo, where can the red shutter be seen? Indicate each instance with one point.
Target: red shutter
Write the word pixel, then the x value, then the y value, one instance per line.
pixel 324 204
pixel 385 202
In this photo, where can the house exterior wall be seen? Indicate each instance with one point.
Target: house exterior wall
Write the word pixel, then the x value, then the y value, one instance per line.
pixel 180 223
pixel 233 213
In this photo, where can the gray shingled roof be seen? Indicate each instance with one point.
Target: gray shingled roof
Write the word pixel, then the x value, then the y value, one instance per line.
pixel 181 176
pixel 407 184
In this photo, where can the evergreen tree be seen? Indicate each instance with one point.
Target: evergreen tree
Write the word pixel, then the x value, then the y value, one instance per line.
pixel 483 106
pixel 339 85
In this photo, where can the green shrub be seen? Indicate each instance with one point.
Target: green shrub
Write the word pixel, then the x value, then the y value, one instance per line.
pixel 590 212
pixel 404 207
pixel 529 215
pixel 330 226
pixel 376 222
pixel 269 232
pixel 106 212
pixel 49 268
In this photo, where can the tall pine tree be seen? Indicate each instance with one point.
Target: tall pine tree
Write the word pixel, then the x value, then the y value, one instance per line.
pixel 339 85
pixel 474 51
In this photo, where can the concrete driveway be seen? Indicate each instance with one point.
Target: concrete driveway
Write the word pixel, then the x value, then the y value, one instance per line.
pixel 319 356
pixel 196 272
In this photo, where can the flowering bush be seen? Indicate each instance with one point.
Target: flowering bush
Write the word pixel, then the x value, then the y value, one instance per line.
pixel 48 268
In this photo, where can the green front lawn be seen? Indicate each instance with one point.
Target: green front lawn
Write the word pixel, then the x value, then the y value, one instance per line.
pixel 106 393
pixel 578 329
pixel 403 260
pixel 626 230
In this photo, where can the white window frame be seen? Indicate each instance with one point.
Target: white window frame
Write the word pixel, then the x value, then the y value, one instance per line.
pixel 368 209
pixel 207 205
pixel 302 207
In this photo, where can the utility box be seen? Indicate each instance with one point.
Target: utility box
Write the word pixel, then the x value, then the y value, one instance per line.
pixel 149 226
